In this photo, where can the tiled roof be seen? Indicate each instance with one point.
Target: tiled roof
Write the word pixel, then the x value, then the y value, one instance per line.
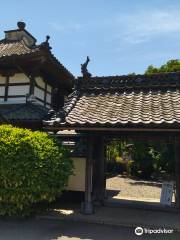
pixel 2 119
pixel 9 48
pixel 23 112
pixel 124 100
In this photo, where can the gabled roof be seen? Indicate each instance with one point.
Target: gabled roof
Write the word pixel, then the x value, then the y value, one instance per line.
pixel 140 100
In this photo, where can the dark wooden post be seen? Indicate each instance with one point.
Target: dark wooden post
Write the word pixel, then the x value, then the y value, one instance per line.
pixel 87 206
pixel 32 84
pixel 177 170
pixel 6 88
pixel 105 168
pixel 99 171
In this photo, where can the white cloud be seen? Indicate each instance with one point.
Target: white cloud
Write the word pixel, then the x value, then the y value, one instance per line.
pixel 143 26
pixel 64 28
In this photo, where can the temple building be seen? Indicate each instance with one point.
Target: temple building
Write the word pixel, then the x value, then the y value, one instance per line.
pixel 32 80
pixel 87 111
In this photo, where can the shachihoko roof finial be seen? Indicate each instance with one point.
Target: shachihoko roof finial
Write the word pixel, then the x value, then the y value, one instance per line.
pixel 21 25
pixel 84 70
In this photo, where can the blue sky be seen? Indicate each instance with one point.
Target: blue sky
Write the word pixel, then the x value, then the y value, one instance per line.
pixel 119 36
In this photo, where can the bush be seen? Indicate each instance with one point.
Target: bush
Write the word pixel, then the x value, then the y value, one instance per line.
pixel 33 168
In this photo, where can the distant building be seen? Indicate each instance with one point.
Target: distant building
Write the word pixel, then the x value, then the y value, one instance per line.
pixel 32 80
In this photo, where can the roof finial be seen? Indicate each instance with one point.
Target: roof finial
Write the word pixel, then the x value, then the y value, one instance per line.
pixel 21 25
pixel 46 43
pixel 84 70
pixel 47 38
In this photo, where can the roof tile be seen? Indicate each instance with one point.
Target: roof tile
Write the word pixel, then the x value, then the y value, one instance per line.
pixel 23 112
pixel 121 100
pixel 15 48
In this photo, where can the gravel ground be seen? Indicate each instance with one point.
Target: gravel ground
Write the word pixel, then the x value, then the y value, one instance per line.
pixel 125 188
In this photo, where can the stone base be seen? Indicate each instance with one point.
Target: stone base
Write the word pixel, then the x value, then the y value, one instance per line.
pixel 87 208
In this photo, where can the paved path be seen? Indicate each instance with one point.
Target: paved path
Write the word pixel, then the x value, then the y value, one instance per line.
pixel 117 216
pixel 58 230
pixel 126 188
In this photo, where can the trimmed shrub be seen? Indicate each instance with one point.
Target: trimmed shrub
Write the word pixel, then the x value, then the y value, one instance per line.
pixel 33 168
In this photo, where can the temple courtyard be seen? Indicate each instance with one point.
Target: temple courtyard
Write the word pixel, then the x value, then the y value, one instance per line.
pixel 123 187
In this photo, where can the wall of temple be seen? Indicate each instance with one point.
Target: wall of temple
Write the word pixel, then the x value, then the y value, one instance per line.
pixel 2 88
pixel 77 181
pixel 42 91
pixel 14 89
pixel 17 87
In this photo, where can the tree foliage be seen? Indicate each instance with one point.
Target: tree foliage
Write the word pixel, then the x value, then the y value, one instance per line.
pixel 33 168
pixel 144 159
pixel 171 66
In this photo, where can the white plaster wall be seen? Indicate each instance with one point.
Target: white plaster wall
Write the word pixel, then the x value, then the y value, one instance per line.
pixel 48 106
pixel 2 79
pixel 18 35
pixel 48 98
pixel 19 78
pixel 49 88
pixel 39 102
pixel 16 100
pixel 18 90
pixel 2 91
pixel 39 93
pixel 40 82
pixel 77 181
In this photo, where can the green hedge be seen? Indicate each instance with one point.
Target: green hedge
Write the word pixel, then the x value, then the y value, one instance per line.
pixel 33 168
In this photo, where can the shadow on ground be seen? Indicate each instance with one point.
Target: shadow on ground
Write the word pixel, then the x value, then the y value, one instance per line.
pixel 146 183
pixel 59 230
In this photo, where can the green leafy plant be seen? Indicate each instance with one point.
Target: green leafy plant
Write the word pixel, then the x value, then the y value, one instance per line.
pixel 141 159
pixel 33 168
pixel 170 66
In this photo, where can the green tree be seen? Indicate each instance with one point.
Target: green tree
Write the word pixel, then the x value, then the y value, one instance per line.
pixel 33 168
pixel 171 66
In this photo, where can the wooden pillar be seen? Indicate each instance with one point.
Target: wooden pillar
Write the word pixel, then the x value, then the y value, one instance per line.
pixel 99 171
pixel 32 84
pixel 87 206
pixel 45 93
pixel 177 170
pixel 6 88
pixel 105 169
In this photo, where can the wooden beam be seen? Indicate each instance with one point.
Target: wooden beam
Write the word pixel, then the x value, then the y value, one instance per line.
pixel 165 134
pixel 99 170
pixel 119 129
pixel 15 84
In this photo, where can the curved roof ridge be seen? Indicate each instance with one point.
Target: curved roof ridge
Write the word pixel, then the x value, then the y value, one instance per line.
pixel 161 80
pixel 136 75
